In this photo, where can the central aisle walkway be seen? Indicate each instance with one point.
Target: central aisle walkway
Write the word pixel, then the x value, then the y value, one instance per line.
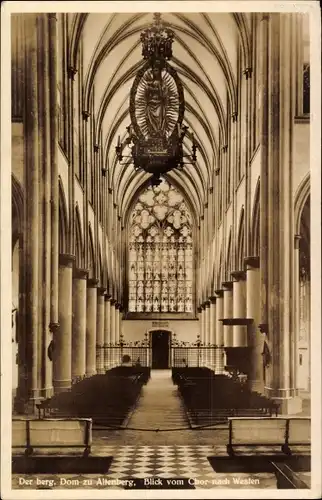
pixel 158 442
pixel 159 406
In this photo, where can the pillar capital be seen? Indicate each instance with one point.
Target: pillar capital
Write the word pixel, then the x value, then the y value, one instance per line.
pixel 80 274
pixel 101 291
pixel 207 303
pixel 203 306
pixel 234 116
pixel 263 328
pixel 227 285
pixel 252 261
pixel 199 309
pixel 219 293
pixel 113 302
pixel 248 72
pixel 265 17
pixel 107 297
pixel 238 275
pixel 86 115
pixel 66 260
pixel 213 299
pixel 297 239
pixel 53 327
pixel 92 283
pixel 96 148
pixel 71 72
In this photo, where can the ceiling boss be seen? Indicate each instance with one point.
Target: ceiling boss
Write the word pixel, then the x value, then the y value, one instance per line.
pixel 156 132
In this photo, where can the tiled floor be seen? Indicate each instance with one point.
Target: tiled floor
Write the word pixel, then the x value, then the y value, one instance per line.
pixel 158 443
pixel 180 463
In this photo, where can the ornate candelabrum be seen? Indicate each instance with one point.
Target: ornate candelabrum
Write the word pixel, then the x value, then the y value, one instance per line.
pixel 156 133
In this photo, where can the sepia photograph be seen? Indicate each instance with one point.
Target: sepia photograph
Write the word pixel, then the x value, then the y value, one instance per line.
pixel 160 233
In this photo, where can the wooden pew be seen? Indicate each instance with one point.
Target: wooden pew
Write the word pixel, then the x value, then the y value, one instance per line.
pixel 32 434
pixel 280 432
pixel 287 478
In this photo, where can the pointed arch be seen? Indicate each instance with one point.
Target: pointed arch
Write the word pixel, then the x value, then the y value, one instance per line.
pixel 91 254
pixel 228 267
pixel 79 243
pixel 220 276
pixel 63 219
pixel 255 227
pixel 17 210
pixel 301 196
pixel 100 273
pixel 240 241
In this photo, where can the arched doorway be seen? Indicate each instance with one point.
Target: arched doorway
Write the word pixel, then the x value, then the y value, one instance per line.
pixel 160 342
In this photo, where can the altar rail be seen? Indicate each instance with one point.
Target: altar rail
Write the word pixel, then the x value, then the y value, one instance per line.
pixel 183 356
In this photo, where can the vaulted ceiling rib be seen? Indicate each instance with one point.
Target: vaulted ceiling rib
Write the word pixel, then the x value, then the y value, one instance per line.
pixel 204 55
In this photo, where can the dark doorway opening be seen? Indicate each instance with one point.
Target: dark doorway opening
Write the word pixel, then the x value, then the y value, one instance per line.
pixel 160 349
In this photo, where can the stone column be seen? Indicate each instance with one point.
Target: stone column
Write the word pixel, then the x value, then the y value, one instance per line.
pixel 203 333
pixel 107 331
pixel 117 323
pixel 212 330
pixel 219 338
pixel 280 384
pixel 255 337
pixel 296 304
pixel 264 153
pixel 79 324
pixel 228 312
pixel 100 330
pixel 112 326
pixel 121 320
pixel 62 352
pixel 199 315
pixel 91 313
pixel 113 351
pixel 54 185
pixel 29 388
pixel 206 341
pixel 239 308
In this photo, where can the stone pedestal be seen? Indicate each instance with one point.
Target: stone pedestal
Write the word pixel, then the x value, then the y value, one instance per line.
pixel 239 308
pixel 228 312
pixel 100 330
pixel 91 312
pixel 62 348
pixel 79 324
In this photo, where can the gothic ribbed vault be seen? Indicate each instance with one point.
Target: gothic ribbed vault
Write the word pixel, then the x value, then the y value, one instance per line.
pixel 205 55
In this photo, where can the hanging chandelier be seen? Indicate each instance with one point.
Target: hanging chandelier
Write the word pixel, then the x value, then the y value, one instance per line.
pixel 156 133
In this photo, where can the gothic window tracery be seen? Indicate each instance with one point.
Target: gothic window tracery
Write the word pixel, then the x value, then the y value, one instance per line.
pixel 160 252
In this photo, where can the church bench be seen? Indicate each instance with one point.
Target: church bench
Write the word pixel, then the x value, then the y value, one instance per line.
pixel 32 434
pixel 269 431
pixel 287 478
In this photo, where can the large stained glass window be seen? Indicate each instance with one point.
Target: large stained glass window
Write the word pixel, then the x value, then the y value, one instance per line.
pixel 160 261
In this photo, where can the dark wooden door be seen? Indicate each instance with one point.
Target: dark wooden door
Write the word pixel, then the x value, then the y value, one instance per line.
pixel 160 349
